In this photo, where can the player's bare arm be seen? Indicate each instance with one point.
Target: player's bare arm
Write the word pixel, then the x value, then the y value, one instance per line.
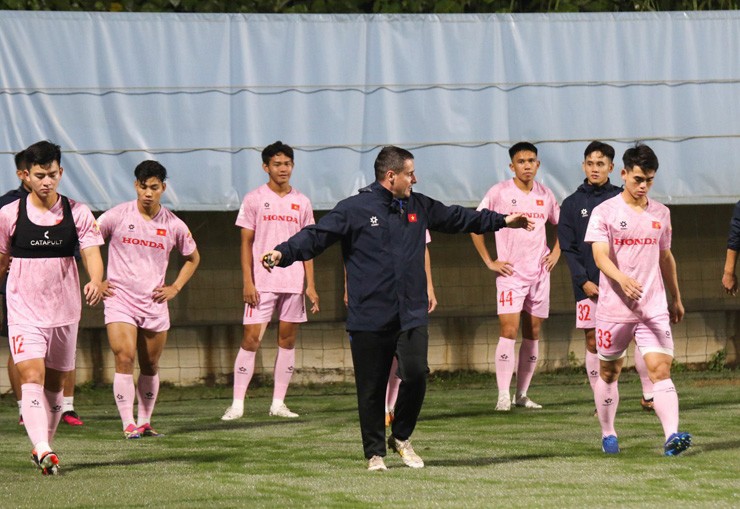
pixel 729 279
pixel 249 291
pixel 501 267
pixel 169 292
pixel 4 266
pixel 670 280
pixel 630 287
pixel 552 258
pixel 311 293
pixel 93 263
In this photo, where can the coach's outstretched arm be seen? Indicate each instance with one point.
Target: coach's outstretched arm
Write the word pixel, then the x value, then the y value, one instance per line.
pixel 310 242
pixel 456 219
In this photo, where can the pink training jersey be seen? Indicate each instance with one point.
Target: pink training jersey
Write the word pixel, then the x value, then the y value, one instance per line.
pixel 524 250
pixel 275 219
pixel 45 292
pixel 635 241
pixel 138 253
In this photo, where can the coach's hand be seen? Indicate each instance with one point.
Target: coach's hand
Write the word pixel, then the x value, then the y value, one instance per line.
pixel 519 221
pixel 270 259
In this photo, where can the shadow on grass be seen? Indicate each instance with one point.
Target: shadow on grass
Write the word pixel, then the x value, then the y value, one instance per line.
pixel 716 446
pixel 239 424
pixel 158 458
pixel 482 462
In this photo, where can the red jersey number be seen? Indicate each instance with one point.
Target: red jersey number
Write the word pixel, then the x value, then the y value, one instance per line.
pixel 604 338
pixel 584 312
pixel 506 298
pixel 18 344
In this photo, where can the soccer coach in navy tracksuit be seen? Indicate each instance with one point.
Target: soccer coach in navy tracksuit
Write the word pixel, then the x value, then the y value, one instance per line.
pixel 382 231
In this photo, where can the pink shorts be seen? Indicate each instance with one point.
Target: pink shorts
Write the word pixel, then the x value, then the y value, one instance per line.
pixel 513 296
pixel 56 345
pixel 153 323
pixel 291 308
pixel 586 314
pixel 651 336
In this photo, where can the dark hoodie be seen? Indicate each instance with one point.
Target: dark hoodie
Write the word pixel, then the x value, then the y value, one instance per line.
pixel 574 215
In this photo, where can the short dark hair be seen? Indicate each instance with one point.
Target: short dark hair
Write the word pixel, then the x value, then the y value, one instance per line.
pixel 20 161
pixel 276 148
pixel 642 156
pixel 599 146
pixel 148 169
pixel 521 146
pixel 391 158
pixel 42 153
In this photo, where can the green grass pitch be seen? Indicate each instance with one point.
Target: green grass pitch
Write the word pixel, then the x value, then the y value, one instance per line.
pixel 475 457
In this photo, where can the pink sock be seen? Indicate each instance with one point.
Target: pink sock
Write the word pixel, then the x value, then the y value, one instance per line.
pixel 35 413
pixel 504 363
pixel 606 397
pixel 666 406
pixel 642 370
pixel 284 363
pixel 243 371
pixel 124 392
pixel 391 392
pixel 54 400
pixel 593 368
pixel 528 353
pixel 146 392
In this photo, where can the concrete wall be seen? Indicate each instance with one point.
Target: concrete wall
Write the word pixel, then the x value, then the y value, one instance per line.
pixel 464 330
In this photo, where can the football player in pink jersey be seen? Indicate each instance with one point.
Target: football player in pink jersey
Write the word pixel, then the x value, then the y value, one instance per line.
pixel 141 234
pixel 41 232
pixel 574 215
pixel 631 240
pixel 269 215
pixel 68 411
pixel 522 268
